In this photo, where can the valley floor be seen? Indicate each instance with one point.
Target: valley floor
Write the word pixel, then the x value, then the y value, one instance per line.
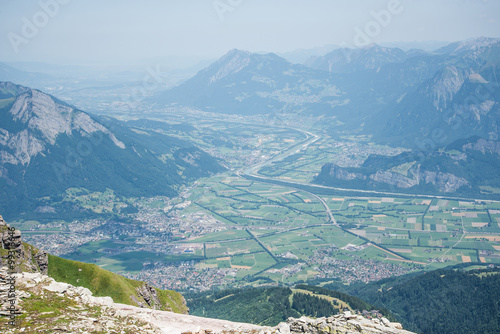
pixel 261 220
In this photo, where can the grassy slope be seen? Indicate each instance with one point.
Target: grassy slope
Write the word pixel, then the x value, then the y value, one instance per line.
pixel 105 283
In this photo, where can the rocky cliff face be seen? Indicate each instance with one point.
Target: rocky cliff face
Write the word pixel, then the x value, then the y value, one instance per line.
pixel 465 167
pixel 442 181
pixel 483 146
pixel 42 120
pixel 342 174
pixel 460 99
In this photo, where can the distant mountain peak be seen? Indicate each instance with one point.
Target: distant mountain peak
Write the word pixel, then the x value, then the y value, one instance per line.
pixel 369 57
pixel 237 52
pixel 232 62
pixel 476 43
pixel 472 45
pixel 371 46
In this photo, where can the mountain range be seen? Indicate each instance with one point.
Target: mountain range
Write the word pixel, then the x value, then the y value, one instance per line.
pixel 48 146
pixel 27 78
pixel 246 84
pixel 414 98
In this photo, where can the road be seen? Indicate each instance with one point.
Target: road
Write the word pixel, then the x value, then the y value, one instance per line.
pixel 310 139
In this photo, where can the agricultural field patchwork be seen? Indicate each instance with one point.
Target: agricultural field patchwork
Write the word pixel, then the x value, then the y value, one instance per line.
pixel 284 235
pixel 257 224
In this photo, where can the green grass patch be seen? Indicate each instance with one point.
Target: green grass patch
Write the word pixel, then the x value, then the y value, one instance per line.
pixel 105 283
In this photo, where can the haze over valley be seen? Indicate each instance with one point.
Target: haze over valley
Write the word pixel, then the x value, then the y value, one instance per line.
pixel 299 169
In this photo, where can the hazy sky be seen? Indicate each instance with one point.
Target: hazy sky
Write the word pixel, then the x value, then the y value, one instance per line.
pixel 122 31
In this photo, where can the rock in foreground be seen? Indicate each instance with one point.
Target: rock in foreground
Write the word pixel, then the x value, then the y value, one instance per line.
pixel 342 323
pixel 46 306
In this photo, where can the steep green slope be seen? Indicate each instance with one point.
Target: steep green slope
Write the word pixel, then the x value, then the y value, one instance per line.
pixel 100 282
pixel 105 283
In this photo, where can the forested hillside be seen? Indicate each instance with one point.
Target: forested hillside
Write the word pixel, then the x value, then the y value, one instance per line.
pixel 443 301
pixel 270 306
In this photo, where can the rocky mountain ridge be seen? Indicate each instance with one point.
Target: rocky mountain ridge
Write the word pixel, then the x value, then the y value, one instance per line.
pixel 459 99
pixel 407 98
pixel 247 83
pixel 39 120
pixel 48 146
pixel 452 170
pixel 346 60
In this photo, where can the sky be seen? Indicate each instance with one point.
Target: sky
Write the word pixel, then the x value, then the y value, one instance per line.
pixel 126 31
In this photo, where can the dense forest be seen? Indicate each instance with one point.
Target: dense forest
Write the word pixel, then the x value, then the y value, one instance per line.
pixel 444 301
pixel 354 302
pixel 263 306
pixel 312 306
pixel 456 300
pixel 270 306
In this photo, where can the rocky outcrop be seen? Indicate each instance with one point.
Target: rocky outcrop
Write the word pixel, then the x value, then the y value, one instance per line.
pixel 81 313
pixel 345 323
pixel 444 86
pixel 11 241
pixel 394 179
pixel 341 323
pixel 415 176
pixel 342 174
pixel 26 257
pixel 463 167
pixel 444 182
pixel 150 296
pixel 483 146
pixel 42 260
